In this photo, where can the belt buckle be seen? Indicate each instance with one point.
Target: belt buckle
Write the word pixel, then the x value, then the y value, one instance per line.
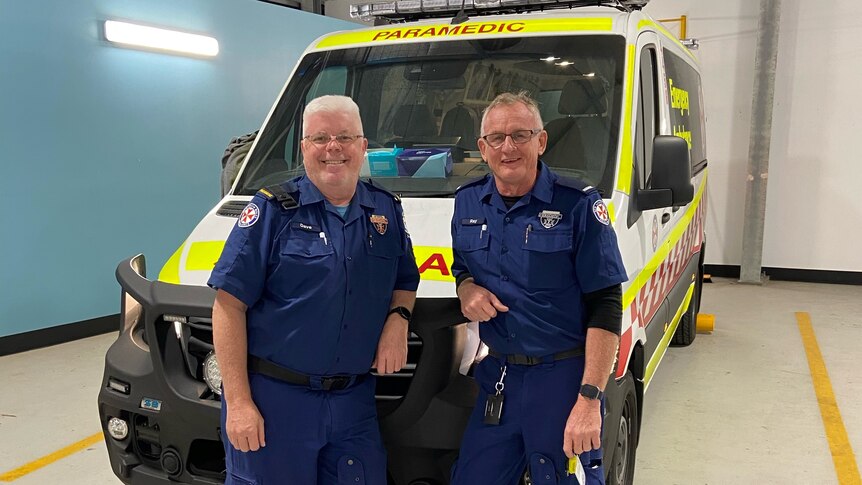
pixel 334 383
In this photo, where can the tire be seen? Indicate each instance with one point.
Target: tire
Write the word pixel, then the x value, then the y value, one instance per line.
pixel 621 469
pixel 687 328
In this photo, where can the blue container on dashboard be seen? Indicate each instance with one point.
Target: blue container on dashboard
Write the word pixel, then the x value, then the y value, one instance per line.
pixel 382 163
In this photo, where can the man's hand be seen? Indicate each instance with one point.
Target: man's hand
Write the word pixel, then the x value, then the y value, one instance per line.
pixel 477 303
pixel 245 426
pixel 583 428
pixel 392 347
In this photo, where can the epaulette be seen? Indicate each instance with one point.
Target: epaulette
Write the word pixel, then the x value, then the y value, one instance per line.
pixel 576 184
pixel 283 194
pixel 472 182
pixel 380 188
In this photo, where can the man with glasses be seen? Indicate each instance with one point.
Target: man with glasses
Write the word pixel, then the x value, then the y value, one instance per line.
pixel 535 260
pixel 315 286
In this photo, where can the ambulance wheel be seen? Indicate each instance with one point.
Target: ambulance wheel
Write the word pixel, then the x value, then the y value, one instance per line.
pixel 687 328
pixel 621 469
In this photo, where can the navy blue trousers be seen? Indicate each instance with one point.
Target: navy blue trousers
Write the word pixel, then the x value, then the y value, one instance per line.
pixel 312 437
pixel 537 403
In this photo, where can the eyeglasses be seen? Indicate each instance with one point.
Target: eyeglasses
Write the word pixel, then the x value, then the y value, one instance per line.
pixel 519 137
pixel 323 139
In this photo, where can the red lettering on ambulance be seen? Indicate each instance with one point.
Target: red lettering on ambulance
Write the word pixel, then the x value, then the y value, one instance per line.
pixel 435 261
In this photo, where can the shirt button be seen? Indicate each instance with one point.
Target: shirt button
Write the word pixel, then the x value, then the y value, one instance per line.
pixel 508 220
pixel 504 249
pixel 349 258
pixel 513 335
pixel 505 278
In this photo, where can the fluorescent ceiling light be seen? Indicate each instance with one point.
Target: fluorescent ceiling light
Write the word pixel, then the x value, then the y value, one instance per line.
pixel 161 39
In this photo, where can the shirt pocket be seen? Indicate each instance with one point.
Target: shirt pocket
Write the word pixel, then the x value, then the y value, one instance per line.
pixel 472 241
pixel 306 245
pixel 381 265
pixel 387 246
pixel 549 259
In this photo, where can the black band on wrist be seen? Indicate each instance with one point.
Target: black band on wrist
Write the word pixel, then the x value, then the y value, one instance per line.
pixel 403 312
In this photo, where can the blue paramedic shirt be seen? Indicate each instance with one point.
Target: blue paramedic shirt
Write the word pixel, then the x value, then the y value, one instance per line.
pixel 317 286
pixel 538 258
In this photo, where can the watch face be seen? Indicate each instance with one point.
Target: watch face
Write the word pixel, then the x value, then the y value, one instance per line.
pixel 590 391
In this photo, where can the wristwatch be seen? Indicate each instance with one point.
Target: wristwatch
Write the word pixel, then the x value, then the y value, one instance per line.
pixel 403 312
pixel 591 392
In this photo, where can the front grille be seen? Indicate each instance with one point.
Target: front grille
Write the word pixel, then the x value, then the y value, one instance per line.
pixel 232 208
pixel 393 387
pixel 195 339
pixel 196 342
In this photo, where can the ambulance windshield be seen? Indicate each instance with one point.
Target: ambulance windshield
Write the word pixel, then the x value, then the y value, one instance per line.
pixel 421 106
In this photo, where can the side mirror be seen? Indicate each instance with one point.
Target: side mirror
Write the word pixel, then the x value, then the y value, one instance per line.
pixel 671 175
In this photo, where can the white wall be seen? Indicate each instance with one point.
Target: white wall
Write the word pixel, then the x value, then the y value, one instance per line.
pixel 814 210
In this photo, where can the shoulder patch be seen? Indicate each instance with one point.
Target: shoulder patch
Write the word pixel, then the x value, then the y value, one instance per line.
pixel 472 183
pixel 249 215
pixel 601 212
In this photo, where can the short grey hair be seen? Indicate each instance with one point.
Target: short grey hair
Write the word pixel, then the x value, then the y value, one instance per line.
pixel 510 99
pixel 332 104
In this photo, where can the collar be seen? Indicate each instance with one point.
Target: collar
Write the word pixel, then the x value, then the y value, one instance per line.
pixel 543 189
pixel 310 194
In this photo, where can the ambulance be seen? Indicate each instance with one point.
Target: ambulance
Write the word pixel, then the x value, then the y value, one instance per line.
pixel 621 100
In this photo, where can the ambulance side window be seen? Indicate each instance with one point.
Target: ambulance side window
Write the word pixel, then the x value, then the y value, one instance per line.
pixel 647 116
pixel 686 113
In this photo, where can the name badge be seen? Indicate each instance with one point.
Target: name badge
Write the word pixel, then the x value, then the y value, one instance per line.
pixel 305 227
pixel 473 222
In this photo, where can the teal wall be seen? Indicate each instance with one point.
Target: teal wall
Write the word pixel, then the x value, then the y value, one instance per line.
pixel 107 152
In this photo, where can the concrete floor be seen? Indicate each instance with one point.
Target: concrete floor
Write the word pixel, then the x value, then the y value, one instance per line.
pixel 737 407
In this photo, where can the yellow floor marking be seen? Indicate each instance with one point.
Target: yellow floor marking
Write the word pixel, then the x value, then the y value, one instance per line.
pixel 48 459
pixel 839 443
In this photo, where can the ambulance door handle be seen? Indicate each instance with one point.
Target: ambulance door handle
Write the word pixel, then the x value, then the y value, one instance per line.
pixel 665 218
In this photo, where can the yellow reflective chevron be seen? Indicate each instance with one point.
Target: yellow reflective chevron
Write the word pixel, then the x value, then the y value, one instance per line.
pixel 203 255
pixel 170 272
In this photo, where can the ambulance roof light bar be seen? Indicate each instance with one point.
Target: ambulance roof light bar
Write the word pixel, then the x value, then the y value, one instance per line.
pixel 400 10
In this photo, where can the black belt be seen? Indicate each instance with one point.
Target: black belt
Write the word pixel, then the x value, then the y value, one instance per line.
pixel 520 359
pixel 325 383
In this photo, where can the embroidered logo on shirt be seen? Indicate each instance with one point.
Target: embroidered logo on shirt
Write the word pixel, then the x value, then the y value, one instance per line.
pixel 380 223
pixel 249 216
pixel 550 219
pixel 601 212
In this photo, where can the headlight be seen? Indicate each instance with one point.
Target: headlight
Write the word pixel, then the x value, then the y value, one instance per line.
pixel 118 428
pixel 212 374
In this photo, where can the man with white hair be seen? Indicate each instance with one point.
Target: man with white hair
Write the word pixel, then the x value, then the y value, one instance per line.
pixel 315 286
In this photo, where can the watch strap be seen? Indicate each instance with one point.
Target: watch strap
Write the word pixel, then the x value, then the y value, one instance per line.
pixel 590 391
